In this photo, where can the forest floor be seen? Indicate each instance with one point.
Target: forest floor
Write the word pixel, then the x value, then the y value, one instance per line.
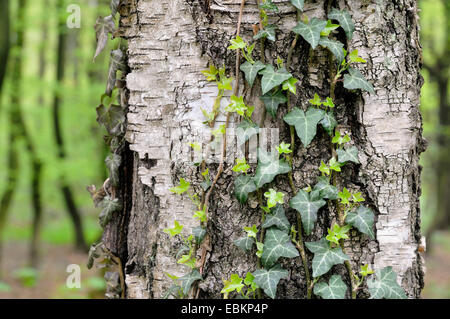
pixel 50 279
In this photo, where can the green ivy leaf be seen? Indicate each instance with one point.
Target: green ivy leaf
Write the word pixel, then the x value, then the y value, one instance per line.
pixel 305 123
pixel 345 196
pixel 177 228
pixel 348 155
pixel 272 101
pixel 245 130
pixel 339 139
pixel 325 189
pixel 116 63
pixel 109 207
pixel 277 218
pixel 251 231
pixel 335 289
pixel 337 233
pixel 112 118
pixel 366 270
pixel 269 166
pixel 245 243
pixel 311 31
pixel 325 257
pixel 330 27
pixel 298 4
pixel 307 208
pixel 290 85
pixel 234 284
pixel 274 197
pixel 268 32
pixel 355 58
pixel 237 44
pixel 103 26
pixel 335 47
pixel 251 71
pixel 241 166
pixel 272 78
pixel 199 234
pixel 243 185
pixel 277 244
pixel 187 280
pixel 113 162
pixel 328 122
pixel 268 279
pixel 180 189
pixel 225 83
pixel 269 6
pixel 355 80
pixel 385 285
pixel 363 219
pixel 211 74
pixel 284 148
pixel 344 19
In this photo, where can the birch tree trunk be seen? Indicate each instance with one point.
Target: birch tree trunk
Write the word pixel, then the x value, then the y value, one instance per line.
pixel 169 43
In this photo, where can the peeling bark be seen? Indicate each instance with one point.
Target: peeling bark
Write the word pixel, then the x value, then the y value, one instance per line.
pixel 171 41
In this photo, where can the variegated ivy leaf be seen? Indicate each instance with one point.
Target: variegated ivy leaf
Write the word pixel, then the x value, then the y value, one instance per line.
pixel 245 243
pixel 385 285
pixel 109 207
pixel 325 257
pixel 251 71
pixel 277 244
pixel 344 19
pixel 298 4
pixel 305 123
pixel 113 162
pixel 112 118
pixel 335 289
pixel 277 218
pixel 268 32
pixel 116 63
pixel 362 219
pixel 355 80
pixel 348 155
pixel 187 280
pixel 308 208
pixel 325 189
pixel 245 130
pixel 272 78
pixel 272 101
pixel 335 47
pixel 268 279
pixel 311 31
pixel 103 26
pixel 269 166
pixel 243 185
pixel 328 122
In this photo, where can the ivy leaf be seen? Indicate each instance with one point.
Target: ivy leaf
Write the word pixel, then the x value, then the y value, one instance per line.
pixel 307 208
pixel 113 162
pixel 330 27
pixel 245 243
pixel 325 189
pixel 269 166
pixel 344 19
pixel 177 228
pixel 112 118
pixel 109 207
pixel 188 279
pixel 251 231
pixel 274 197
pixel 211 74
pixel 355 80
pixel 269 6
pixel 103 26
pixel 385 285
pixel 272 78
pixel 272 101
pixel 277 244
pixel 337 233
pixel 241 166
pixel 335 289
pixel 335 47
pixel 298 4
pixel 290 85
pixel 284 148
pixel 234 284
pixel 243 185
pixel 305 124
pixel 237 44
pixel 311 31
pixel 363 219
pixel 251 71
pixel 325 257
pixel 268 279
pixel 268 32
pixel 348 155
pixel 277 218
pixel 245 130
pixel 180 189
pixel 199 234
pixel 328 122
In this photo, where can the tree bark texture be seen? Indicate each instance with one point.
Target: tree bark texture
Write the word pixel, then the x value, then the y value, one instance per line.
pixel 170 42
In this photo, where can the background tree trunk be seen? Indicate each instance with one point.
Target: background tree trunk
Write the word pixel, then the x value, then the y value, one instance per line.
pixel 170 42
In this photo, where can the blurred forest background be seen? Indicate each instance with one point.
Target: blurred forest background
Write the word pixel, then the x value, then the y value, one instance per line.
pixel 51 146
